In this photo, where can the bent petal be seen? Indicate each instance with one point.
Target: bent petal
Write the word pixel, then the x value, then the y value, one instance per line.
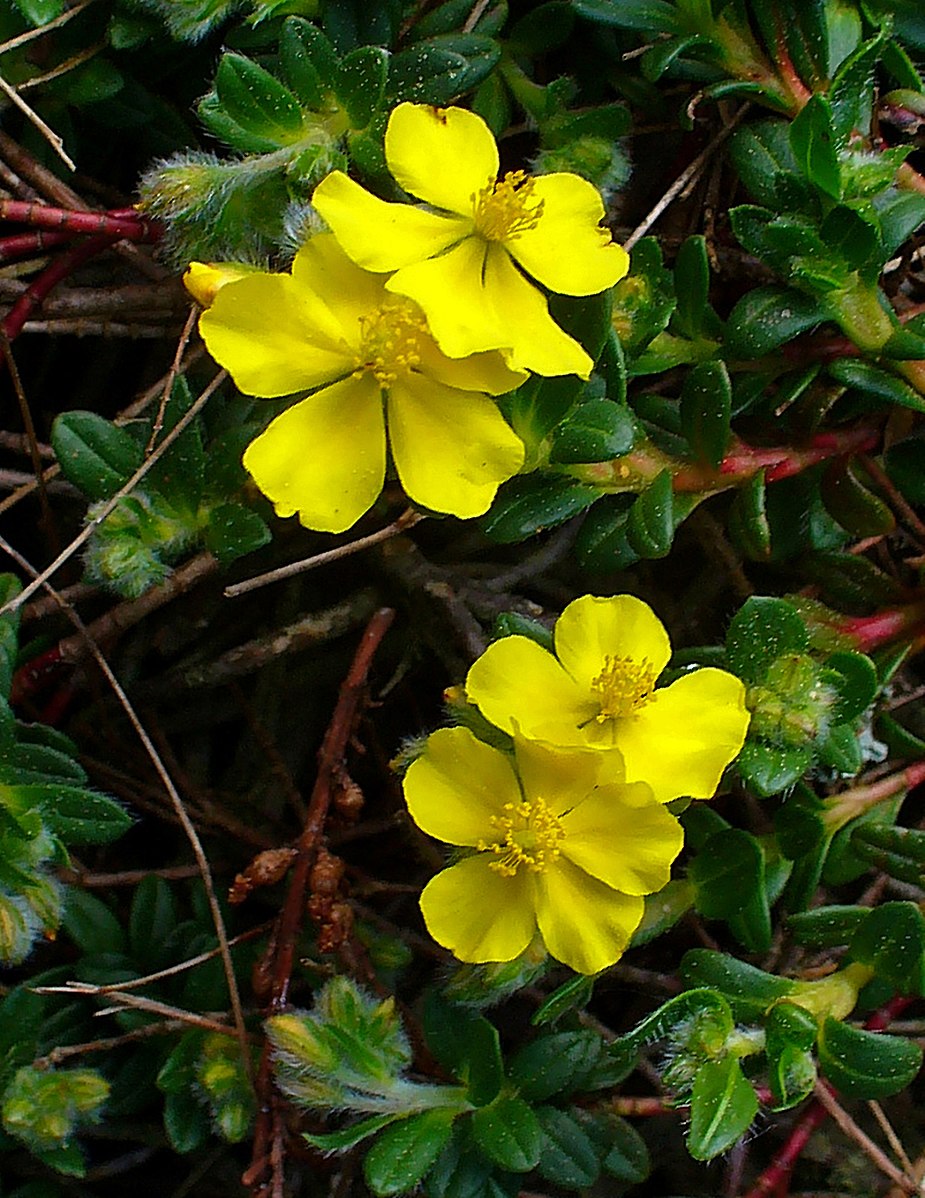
pixel 441 155
pixel 621 836
pixel 520 687
pixel 452 294
pixel 584 923
pixel 452 449
pixel 683 738
pixel 537 343
pixel 274 337
pixel 478 914
pixel 593 627
pixel 562 778
pixel 351 293
pixel 486 372
pixel 324 457
pixel 380 236
pixel 568 251
pixel 204 280
pixel 456 786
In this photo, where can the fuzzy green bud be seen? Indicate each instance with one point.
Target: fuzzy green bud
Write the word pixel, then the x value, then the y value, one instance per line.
pixel 131 549
pixel 44 1108
pixel 793 705
pixel 223 1080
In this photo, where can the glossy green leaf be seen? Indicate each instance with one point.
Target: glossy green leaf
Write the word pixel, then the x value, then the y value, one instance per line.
pixel 748 990
pixel 723 1105
pixel 402 1155
pixel 728 874
pixel 554 1064
pixel 862 1064
pixel 762 630
pixel 95 455
pixel 813 140
pixel 595 431
pixel 348 1137
pixel 308 61
pixel 876 383
pixel 692 286
pixel 78 816
pixel 706 409
pixel 650 524
pixel 257 101
pixel 826 927
pixel 852 503
pixel 891 940
pixel 509 1134
pixel 628 1156
pixel 768 317
pixel 903 463
pixel 360 83
pixel 574 993
pixel 233 531
pixel 530 504
pixel 768 769
pixel 702 1009
pixel 747 519
pixel 568 1157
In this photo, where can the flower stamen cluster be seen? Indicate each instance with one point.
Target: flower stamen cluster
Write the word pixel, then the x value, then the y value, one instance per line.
pixel 623 686
pixel 530 836
pixel 392 341
pixel 508 207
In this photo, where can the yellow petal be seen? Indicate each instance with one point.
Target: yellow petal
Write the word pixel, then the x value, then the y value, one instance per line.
pixel 561 777
pixel 478 914
pixel 451 291
pixel 592 628
pixel 486 372
pixel 274 337
pixel 452 449
pixel 537 343
pixel 441 155
pixel 683 738
pixel 204 280
pixel 324 457
pixel 456 786
pixel 518 686
pixel 350 292
pixel 572 210
pixel 622 836
pixel 380 236
pixel 584 923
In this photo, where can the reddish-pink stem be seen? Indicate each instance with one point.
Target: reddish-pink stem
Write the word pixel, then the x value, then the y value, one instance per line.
pixel 123 223
pixel 64 265
pixel 870 632
pixel 21 245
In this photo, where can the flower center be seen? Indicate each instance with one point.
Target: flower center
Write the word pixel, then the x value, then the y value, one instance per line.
pixel 392 341
pixel 507 208
pixel 623 686
pixel 528 835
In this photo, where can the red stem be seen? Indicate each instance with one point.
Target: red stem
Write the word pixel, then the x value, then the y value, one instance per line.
pixel 64 265
pixel 21 245
pixel 870 632
pixel 116 224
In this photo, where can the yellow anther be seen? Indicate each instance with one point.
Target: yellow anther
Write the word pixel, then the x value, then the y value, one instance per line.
pixel 392 340
pixel 528 835
pixel 507 208
pixel 623 686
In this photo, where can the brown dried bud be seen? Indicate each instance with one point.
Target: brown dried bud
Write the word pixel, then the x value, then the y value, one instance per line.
pixel 265 869
pixel 337 928
pixel 326 875
pixel 348 801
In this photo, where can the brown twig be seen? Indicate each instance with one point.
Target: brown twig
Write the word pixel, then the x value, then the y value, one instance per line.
pixel 872 1151
pixel 330 763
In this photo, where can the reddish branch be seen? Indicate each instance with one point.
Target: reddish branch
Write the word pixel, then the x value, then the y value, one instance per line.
pixel 122 223
pixel 278 969
pixel 23 245
pixel 62 266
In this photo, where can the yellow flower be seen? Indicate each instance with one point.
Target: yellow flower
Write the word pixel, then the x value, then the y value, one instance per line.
pixel 330 325
pixel 599 690
pixel 467 265
pixel 204 280
pixel 560 844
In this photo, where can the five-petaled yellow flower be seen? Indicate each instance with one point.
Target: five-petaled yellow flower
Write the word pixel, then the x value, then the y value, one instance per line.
pixel 330 325
pixel 469 265
pixel 559 844
pixel 599 690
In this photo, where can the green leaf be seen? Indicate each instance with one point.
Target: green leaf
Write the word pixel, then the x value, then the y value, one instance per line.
pixel 360 83
pixel 748 990
pixel 798 822
pixel 747 519
pixel 768 317
pixel 90 924
pixel 78 816
pixel 595 431
pixel 826 927
pixel 539 405
pixel 568 1158
pixel 762 630
pixel 728 874
pixel 532 503
pixel 40 12
pixel 348 1137
pixel 482 1066
pixel 402 1155
pixel 509 1134
pixel 602 543
pixel 814 143
pixel 769 769
pixel 257 101
pixel 851 94
pixel 856 682
pixel 233 531
pixel 180 472
pixel 692 286
pixel 644 300
pixel 661 57
pixel 706 410
pixel 871 381
pixel 308 60
pixel 852 503
pixel 627 1156
pixel 438 70
pixel 650 524
pixel 95 455
pixel 186 1122
pixel 152 918
pixel 762 156
pixel 891 940
pixel 862 1064
pixel 574 993
pixel 723 1105
pixel 903 463
pixel 656 16
pixel 554 1064
pixel 700 1011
